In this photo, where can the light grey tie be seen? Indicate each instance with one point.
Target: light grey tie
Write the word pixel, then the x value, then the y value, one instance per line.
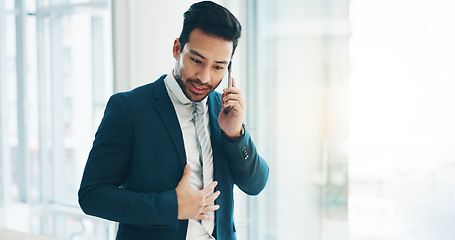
pixel 205 152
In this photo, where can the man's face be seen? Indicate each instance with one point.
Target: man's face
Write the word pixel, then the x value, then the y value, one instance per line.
pixel 202 63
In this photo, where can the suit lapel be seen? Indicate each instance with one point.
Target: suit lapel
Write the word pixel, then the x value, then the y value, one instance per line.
pixel 166 111
pixel 214 104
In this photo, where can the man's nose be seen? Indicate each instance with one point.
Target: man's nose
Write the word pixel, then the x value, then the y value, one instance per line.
pixel 204 75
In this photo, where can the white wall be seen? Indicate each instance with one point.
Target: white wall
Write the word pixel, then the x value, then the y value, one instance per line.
pixel 144 32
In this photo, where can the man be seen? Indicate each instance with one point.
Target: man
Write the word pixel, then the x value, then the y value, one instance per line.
pixel 166 154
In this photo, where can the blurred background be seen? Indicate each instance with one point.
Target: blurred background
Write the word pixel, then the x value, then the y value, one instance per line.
pixel 349 101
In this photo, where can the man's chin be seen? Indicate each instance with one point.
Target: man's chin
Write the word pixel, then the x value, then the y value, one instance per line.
pixel 197 97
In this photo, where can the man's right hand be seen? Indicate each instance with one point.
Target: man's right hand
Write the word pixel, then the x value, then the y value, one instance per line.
pixel 194 204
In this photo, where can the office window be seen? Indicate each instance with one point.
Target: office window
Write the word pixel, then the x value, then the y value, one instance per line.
pixel 297 93
pixel 402 158
pixel 56 77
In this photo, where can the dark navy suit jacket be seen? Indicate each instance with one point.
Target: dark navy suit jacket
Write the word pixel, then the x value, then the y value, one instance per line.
pixel 137 161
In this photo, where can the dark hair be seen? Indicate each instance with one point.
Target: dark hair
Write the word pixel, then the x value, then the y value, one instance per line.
pixel 212 19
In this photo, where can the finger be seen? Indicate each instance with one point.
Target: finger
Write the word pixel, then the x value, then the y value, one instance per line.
pixel 210 208
pixel 231 96
pixel 234 104
pixel 209 188
pixel 232 90
pixel 235 97
pixel 234 85
pixel 212 198
pixel 204 216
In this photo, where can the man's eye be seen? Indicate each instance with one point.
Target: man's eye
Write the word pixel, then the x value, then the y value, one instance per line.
pixel 218 68
pixel 195 60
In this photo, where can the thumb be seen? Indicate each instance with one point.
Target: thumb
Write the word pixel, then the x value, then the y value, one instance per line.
pixel 186 174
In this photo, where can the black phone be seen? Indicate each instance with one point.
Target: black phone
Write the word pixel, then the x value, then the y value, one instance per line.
pixel 228 108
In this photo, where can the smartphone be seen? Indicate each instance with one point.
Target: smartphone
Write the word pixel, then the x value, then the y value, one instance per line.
pixel 229 75
pixel 228 108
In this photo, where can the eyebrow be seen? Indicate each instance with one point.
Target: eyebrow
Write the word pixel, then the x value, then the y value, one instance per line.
pixel 199 55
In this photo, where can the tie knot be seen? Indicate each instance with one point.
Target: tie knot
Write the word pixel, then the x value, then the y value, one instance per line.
pixel 198 108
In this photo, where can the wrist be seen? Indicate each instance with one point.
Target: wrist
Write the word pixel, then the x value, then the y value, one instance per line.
pixel 235 138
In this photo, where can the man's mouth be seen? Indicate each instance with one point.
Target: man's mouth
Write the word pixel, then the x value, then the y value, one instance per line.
pixel 198 89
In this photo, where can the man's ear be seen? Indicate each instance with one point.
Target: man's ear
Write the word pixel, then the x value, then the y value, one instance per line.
pixel 176 48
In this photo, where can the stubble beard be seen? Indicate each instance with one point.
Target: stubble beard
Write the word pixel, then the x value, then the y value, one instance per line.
pixel 179 79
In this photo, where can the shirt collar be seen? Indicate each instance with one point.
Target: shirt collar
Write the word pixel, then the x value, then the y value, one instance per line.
pixel 175 89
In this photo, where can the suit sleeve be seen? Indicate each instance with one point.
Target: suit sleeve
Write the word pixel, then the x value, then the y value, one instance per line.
pixel 101 192
pixel 249 170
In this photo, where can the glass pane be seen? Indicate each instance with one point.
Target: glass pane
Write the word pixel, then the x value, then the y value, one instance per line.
pixel 81 83
pixel 11 181
pixel 56 77
pixel 402 158
pixel 298 106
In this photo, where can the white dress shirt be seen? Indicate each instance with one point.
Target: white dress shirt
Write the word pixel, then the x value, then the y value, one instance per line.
pixel 184 110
